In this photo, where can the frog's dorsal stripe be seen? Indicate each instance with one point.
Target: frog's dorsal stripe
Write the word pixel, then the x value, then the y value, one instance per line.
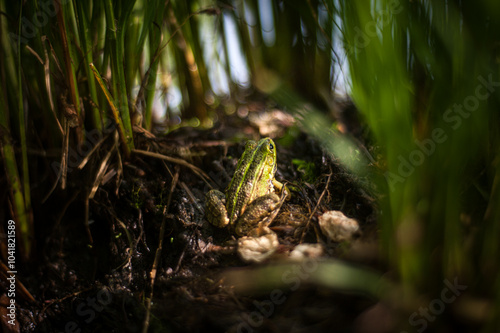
pixel 240 179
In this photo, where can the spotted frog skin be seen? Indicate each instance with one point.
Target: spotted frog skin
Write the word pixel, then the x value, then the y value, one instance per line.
pixel 249 203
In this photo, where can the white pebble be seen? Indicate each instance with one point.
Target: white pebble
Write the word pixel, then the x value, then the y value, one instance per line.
pixel 337 226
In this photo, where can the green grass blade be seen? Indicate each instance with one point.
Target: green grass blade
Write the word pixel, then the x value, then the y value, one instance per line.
pixel 155 38
pixel 117 34
pixel 25 220
pixel 19 186
pixel 114 110
pixel 71 61
pixel 86 47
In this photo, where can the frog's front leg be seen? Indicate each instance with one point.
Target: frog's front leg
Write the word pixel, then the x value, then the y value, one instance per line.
pixel 215 208
pixel 282 189
pixel 258 214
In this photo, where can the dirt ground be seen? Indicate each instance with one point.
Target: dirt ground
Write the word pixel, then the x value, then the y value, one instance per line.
pixel 140 251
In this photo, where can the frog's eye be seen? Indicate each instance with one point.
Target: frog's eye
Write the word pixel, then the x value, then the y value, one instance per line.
pixel 271 146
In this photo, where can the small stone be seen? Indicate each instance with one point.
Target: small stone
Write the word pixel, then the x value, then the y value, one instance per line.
pixel 337 226
pixel 305 250
pixel 257 249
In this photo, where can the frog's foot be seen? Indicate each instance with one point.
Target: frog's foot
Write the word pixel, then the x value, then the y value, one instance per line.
pixel 257 246
pixel 215 208
pixel 282 189
pixel 260 212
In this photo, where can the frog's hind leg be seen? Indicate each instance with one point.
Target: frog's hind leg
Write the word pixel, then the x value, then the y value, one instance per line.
pixel 215 208
pixel 259 213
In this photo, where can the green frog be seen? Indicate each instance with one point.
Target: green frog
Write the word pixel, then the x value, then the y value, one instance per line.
pixel 250 203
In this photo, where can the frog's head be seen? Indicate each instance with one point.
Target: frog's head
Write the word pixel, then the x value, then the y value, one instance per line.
pixel 266 150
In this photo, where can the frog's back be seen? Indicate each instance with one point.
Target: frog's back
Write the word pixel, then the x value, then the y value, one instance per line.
pixel 253 177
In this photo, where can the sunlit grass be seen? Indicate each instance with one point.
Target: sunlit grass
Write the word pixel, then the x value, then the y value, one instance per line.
pixel 417 81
